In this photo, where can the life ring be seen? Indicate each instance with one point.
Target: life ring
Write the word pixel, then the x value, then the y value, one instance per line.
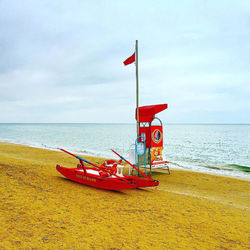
pixel 104 173
pixel 108 168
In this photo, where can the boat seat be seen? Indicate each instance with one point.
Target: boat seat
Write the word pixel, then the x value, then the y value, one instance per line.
pixel 120 170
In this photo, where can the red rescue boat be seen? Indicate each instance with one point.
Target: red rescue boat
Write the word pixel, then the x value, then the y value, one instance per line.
pixel 107 176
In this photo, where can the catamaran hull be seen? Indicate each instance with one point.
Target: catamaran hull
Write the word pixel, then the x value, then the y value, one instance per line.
pixel 139 182
pixel 93 180
pixel 109 183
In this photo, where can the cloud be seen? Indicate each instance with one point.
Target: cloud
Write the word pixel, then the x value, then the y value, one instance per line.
pixel 62 61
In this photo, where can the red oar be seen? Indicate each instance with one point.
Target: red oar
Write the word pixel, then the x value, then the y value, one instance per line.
pixel 132 165
pixel 81 159
pixel 78 157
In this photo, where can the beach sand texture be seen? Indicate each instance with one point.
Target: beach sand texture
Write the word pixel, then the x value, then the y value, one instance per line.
pixel 40 209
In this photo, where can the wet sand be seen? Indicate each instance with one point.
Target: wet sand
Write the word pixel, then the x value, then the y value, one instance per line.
pixel 40 209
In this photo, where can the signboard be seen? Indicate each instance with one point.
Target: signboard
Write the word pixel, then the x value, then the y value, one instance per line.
pixel 156 154
pixel 140 148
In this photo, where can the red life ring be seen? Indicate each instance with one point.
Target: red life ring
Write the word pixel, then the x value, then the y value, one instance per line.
pixel 108 168
pixel 104 173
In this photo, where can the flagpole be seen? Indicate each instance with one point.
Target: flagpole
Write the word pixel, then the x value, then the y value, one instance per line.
pixel 137 85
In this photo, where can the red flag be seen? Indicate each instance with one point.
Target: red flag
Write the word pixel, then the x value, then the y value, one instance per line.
pixel 129 60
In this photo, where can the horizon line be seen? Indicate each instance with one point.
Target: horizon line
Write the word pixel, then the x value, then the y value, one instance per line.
pixel 130 123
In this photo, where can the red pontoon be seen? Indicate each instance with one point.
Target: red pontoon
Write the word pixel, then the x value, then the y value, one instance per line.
pixel 107 176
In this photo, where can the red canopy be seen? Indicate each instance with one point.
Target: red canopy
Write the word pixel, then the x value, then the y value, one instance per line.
pixel 147 113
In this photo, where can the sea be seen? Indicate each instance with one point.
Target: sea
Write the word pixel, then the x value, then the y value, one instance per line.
pixel 209 148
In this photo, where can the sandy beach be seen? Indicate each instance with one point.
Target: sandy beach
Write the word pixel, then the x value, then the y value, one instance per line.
pixel 40 209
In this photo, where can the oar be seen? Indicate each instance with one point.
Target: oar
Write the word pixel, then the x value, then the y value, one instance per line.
pixel 132 165
pixel 81 159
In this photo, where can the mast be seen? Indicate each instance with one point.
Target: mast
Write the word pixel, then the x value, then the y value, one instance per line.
pixel 137 86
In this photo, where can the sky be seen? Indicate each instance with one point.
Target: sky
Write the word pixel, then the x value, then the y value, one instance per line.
pixel 62 61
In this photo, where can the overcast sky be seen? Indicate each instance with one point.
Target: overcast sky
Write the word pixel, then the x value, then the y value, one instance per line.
pixel 61 61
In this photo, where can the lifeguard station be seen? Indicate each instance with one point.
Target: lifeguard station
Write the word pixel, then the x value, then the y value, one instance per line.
pixel 148 147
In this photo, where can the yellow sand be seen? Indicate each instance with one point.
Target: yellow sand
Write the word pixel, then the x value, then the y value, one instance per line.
pixel 42 210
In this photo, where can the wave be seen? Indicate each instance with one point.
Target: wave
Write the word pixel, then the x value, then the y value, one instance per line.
pixel 233 170
pixel 238 167
pixel 230 168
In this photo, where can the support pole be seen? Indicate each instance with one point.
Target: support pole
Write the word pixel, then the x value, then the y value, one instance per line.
pixel 137 85
pixel 137 94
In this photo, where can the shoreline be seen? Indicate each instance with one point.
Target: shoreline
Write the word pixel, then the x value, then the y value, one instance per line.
pixel 42 209
pixel 114 157
pixel 53 148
